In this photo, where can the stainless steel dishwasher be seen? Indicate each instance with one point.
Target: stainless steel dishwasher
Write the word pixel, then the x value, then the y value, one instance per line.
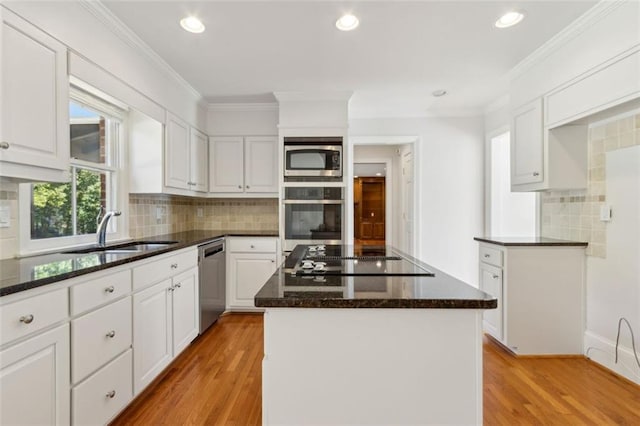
pixel 212 271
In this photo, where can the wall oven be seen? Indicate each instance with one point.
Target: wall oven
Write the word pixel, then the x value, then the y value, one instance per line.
pixel 306 157
pixel 313 215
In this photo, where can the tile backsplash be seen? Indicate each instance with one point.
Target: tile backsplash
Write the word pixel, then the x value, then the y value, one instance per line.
pixel 575 215
pixel 162 214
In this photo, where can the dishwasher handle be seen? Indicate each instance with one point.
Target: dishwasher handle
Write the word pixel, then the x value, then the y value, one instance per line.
pixel 210 251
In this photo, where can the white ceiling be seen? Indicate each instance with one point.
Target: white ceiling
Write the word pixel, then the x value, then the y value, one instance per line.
pixel 401 52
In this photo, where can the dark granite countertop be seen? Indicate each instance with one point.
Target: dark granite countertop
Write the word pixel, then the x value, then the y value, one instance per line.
pixel 530 241
pixel 441 291
pixel 30 272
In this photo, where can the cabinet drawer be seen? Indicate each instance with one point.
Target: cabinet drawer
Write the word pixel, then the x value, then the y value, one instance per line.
pixel 99 336
pixel 97 292
pixel 103 395
pixel 261 245
pixel 491 256
pixel 21 318
pixel 156 271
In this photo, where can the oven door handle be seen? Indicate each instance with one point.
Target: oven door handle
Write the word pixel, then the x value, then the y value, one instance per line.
pixel 313 202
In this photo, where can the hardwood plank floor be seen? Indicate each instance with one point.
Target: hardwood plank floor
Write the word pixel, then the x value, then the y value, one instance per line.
pixel 217 381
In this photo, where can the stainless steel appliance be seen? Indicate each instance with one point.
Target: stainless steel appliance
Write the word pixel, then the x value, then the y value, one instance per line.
pixel 313 215
pixel 212 272
pixel 313 157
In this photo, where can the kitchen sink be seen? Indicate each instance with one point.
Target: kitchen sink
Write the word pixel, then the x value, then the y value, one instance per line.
pixel 133 247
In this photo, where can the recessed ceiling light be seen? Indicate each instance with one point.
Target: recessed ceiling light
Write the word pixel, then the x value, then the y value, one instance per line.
pixel 438 93
pixel 347 22
pixel 378 174
pixel 509 19
pixel 192 24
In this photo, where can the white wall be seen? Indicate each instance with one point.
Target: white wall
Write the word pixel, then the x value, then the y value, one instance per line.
pixel 449 178
pixel 73 24
pixel 242 120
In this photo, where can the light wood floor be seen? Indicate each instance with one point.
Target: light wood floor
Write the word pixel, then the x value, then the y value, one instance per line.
pixel 217 380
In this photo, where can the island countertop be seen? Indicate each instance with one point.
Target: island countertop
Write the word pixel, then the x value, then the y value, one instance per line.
pixel 25 273
pixel 530 241
pixel 381 290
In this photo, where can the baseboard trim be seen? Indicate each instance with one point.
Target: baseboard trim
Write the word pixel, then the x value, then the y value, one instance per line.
pixel 601 351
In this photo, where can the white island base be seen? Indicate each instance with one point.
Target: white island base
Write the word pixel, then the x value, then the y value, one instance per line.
pixel 372 366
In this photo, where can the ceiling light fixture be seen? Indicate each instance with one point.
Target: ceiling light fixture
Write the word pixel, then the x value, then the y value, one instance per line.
pixel 192 24
pixel 347 22
pixel 438 93
pixel 509 19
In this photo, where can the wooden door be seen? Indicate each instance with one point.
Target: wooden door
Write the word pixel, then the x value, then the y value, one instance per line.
pixel 372 208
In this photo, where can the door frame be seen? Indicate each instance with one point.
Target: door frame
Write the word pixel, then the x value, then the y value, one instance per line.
pixel 384 140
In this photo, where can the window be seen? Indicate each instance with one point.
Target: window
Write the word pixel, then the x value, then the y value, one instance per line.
pixel 62 214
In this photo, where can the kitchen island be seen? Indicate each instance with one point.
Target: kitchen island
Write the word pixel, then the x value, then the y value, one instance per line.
pixel 378 338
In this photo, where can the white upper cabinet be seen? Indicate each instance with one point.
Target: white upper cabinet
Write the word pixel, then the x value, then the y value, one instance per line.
pixel 169 159
pixel 244 166
pixel 527 147
pixel 542 158
pixel 177 157
pixel 35 102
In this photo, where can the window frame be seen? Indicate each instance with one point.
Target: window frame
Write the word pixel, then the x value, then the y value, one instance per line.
pixel 117 172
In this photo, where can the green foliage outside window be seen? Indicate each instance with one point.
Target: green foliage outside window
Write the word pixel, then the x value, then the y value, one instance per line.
pixel 51 208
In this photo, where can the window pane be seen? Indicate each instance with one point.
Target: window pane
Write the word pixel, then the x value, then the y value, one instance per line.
pixel 87 134
pixel 90 197
pixel 51 210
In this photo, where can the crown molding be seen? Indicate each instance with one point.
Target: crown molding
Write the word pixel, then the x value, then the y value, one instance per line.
pixel 261 106
pixel 124 33
pixel 313 96
pixel 577 27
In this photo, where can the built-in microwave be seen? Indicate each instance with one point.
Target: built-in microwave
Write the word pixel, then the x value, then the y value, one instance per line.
pixel 311 156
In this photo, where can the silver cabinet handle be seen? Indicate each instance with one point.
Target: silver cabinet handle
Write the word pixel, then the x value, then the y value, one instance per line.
pixel 171 289
pixel 178 285
pixel 487 256
pixel 109 289
pixel 174 266
pixel 111 334
pixel 111 394
pixel 536 174
pixel 4 145
pixel 495 277
pixel 27 319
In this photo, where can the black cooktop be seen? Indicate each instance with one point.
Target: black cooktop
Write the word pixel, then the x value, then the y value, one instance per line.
pixel 352 260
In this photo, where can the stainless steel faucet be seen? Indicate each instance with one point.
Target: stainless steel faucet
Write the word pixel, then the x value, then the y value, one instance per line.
pixel 102 227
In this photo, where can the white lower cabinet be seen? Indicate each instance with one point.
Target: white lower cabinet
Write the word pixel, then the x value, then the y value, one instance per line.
pixel 103 395
pixel 34 380
pixel 540 292
pixel 165 321
pixel 251 261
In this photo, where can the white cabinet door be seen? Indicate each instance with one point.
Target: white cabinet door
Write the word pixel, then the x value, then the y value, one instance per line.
pixel 491 283
pixel 527 144
pixel 177 155
pixel 152 339
pixel 34 380
pixel 199 162
pixel 248 272
pixel 186 318
pixel 261 164
pixel 226 164
pixel 34 96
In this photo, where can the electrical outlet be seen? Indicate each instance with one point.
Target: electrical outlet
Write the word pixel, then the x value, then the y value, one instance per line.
pixel 199 212
pixel 605 213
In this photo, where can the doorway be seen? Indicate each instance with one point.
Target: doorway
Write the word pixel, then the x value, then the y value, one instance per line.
pixel 369 203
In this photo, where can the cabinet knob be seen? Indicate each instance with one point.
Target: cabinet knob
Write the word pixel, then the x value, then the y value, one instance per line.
pixel 495 277
pixel 111 334
pixel 178 285
pixel 111 394
pixel 536 174
pixel 487 256
pixel 239 186
pixel 27 319
pixel 109 289
pixel 252 246
pixel 174 266
pixel 247 186
pixel 4 145
pixel 171 289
